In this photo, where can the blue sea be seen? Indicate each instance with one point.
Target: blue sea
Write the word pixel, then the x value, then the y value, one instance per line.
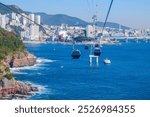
pixel 59 77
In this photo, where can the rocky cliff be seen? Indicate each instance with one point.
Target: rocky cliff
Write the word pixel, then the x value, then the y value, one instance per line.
pixel 10 88
pixel 13 54
pixel 20 59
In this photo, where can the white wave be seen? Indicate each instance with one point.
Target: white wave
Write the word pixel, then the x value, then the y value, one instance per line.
pixel 18 69
pixel 42 60
pixel 17 72
pixel 41 90
pixel 37 66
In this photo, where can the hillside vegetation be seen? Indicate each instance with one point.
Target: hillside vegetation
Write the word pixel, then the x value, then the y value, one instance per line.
pixel 9 44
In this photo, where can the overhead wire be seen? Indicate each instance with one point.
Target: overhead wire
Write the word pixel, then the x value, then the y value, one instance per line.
pixel 110 6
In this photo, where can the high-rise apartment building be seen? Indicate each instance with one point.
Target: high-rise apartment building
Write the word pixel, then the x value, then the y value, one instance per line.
pixel 24 19
pixel 13 16
pixel 31 17
pixel 3 21
pixel 34 32
pixel 38 19
pixel 90 31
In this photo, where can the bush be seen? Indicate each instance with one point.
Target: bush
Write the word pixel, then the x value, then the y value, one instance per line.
pixel 9 76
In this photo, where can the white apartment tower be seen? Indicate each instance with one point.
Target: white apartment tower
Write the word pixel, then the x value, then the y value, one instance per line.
pixel 24 21
pixel 13 16
pixel 3 21
pixel 31 17
pixel 34 32
pixel 38 19
pixel 90 31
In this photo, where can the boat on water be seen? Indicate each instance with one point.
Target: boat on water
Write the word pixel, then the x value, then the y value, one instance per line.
pixel 107 61
pixel 76 54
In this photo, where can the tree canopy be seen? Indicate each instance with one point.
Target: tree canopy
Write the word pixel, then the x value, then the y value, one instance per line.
pixel 9 43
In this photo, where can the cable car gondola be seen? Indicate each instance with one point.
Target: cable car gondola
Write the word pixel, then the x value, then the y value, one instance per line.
pixel 97 51
pixel 76 54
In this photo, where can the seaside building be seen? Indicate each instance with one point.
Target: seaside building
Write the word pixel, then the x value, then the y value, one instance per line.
pixel 3 21
pixel 63 34
pixel 25 34
pixel 13 16
pixel 7 19
pixel 34 32
pixel 38 19
pixel 24 19
pixel 31 17
pixel 90 31
pixel 63 26
pixel 15 19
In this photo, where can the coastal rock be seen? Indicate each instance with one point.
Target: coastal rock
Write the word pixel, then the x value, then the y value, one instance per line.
pixel 34 89
pixel 24 60
pixel 8 83
pixel 21 59
pixel 15 89
pixel 9 87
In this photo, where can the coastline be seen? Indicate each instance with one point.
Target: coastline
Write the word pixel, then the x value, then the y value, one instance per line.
pixel 11 88
pixel 71 43
pixel 104 41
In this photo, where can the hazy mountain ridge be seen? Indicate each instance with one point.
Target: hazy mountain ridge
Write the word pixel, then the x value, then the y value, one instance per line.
pixel 4 10
pixel 58 19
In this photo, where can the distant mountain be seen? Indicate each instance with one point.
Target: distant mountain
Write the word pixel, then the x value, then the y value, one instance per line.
pixel 4 10
pixel 58 19
pixel 112 25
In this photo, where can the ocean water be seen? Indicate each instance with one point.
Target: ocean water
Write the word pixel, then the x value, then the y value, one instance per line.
pixel 59 77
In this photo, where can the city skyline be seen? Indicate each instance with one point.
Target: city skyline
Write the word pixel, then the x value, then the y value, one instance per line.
pixel 129 13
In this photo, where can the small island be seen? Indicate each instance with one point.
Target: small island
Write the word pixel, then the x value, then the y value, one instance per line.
pixel 13 53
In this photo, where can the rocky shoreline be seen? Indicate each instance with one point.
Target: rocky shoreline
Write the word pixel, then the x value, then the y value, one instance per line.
pixel 20 59
pixel 17 91
pixel 9 87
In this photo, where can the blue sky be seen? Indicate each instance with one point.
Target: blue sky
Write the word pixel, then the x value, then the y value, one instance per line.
pixel 133 13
